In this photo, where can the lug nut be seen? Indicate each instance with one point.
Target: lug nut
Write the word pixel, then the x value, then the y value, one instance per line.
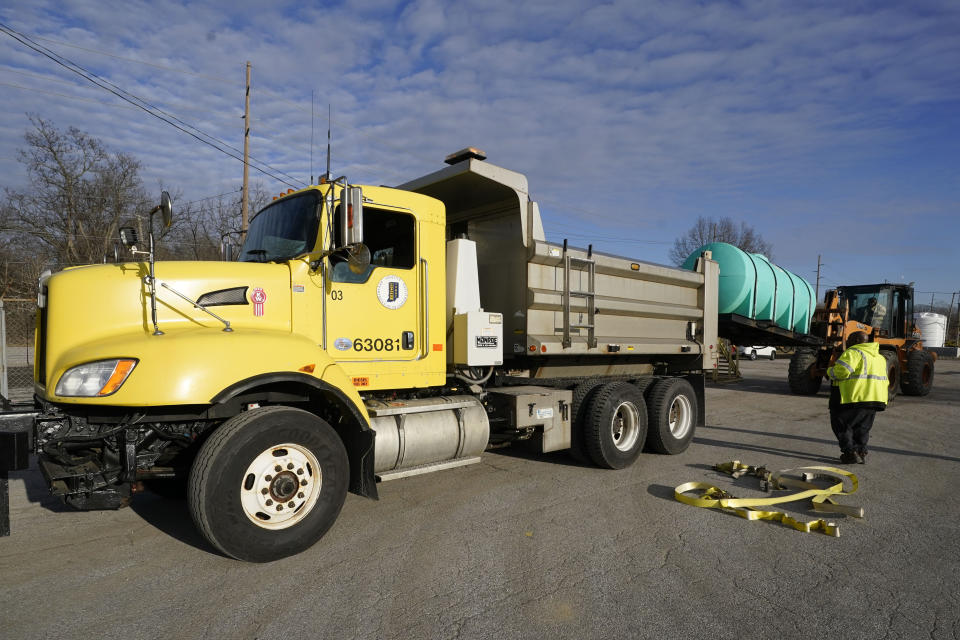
pixel 264 491
pixel 289 465
pixel 278 468
pixel 300 495
pixel 299 472
pixel 269 502
pixel 268 478
pixel 303 483
pixel 279 507
pixel 291 504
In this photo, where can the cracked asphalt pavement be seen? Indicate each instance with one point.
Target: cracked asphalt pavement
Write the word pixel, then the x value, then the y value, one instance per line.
pixel 538 546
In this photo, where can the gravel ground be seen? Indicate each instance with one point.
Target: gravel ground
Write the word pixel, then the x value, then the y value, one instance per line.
pixel 525 546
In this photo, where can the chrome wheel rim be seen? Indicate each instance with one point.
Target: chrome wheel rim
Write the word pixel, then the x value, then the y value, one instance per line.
pixel 625 426
pixel 680 418
pixel 281 486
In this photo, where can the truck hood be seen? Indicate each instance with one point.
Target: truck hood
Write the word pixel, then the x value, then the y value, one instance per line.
pixel 102 303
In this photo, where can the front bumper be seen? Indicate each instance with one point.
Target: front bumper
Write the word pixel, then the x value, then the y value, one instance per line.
pixel 16 439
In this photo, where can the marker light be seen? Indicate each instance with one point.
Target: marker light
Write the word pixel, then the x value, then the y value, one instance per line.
pixel 101 378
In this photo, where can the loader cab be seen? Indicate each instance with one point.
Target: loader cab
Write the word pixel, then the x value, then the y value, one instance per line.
pixel 885 307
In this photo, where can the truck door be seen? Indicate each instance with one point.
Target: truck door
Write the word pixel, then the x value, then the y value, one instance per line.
pixel 377 315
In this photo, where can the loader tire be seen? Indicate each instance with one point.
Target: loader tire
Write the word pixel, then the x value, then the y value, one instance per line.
pixel 268 483
pixel 615 425
pixel 893 374
pixel 918 379
pixel 800 377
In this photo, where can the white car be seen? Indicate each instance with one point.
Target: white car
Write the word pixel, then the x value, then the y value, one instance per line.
pixel 759 352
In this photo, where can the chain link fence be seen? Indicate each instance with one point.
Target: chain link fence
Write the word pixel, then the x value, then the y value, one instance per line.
pixel 17 322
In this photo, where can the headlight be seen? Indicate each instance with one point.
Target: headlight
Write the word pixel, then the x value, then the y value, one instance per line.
pixel 95 378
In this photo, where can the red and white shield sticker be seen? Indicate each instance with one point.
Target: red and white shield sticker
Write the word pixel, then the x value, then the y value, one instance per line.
pixel 258 297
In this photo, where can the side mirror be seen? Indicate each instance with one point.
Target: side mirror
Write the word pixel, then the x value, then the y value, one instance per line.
pixel 128 237
pixel 358 258
pixel 351 218
pixel 166 209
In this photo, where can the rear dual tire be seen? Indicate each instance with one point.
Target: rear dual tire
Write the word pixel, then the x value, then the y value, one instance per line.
pixel 615 421
pixel 672 410
pixel 615 425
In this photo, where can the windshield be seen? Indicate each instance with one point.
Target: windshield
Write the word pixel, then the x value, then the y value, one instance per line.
pixel 283 230
pixel 870 305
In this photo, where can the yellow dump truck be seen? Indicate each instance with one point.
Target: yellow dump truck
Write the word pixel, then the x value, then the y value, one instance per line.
pixel 364 334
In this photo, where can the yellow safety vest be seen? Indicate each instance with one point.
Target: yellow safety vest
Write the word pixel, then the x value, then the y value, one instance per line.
pixel 861 374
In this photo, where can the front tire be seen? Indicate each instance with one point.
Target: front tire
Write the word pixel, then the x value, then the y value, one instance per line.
pixel 672 410
pixel 800 376
pixel 615 425
pixel 753 354
pixel 268 483
pixel 893 374
pixel 918 379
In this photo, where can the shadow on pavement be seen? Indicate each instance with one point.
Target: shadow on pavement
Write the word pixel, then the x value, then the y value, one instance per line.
pixel 757 385
pixel 792 453
pixel 172 517
pixel 790 436
pixel 36 487
pixel 555 457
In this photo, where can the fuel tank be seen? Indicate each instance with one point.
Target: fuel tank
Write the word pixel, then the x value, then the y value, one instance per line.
pixel 427 432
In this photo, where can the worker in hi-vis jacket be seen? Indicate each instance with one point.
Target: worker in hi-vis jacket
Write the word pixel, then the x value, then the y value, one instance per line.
pixel 859 390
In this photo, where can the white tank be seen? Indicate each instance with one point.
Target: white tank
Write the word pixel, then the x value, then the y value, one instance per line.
pixel 933 328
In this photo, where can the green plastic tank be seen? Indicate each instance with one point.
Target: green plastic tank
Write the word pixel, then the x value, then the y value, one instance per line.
pixel 752 286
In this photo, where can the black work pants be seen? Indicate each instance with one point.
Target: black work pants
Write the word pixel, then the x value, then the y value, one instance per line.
pixel 852 426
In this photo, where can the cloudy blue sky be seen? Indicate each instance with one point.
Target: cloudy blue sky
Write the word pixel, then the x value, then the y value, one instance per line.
pixel 830 127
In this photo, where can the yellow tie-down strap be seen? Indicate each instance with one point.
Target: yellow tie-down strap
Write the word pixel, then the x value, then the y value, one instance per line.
pixel 702 494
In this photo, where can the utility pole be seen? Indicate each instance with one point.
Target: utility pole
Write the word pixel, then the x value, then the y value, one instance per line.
pixel 946 329
pixel 957 342
pixel 819 264
pixel 957 339
pixel 245 198
pixel 931 301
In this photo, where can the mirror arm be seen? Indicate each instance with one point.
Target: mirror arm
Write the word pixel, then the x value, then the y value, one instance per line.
pixel 153 286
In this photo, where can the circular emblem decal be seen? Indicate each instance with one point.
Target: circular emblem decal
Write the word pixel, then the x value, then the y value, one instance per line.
pixel 258 297
pixel 392 292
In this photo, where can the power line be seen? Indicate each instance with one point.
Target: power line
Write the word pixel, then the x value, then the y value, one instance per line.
pixel 143 62
pixel 63 95
pixel 85 236
pixel 219 195
pixel 143 104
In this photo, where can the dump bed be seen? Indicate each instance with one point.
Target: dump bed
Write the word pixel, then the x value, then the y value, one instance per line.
pixel 563 300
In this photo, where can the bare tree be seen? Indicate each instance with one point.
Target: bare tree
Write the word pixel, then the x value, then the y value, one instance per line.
pixel 707 230
pixel 200 228
pixel 78 193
